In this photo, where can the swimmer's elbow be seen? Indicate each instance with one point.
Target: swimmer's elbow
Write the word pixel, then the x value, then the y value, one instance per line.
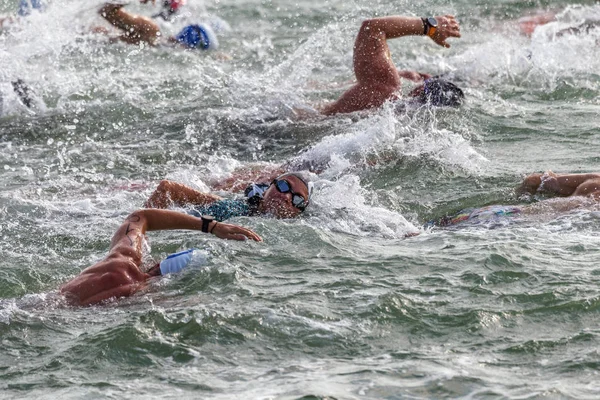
pixel 368 26
pixel 373 26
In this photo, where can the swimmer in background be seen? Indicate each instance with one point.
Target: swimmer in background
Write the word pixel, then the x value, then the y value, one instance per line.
pixel 137 29
pixel 576 190
pixel 25 9
pixel 528 24
pixel 25 95
pixel 286 196
pixel 378 80
pixel 119 274
pixel 170 8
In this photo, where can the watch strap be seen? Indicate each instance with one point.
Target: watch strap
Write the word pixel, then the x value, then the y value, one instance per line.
pixel 206 222
pixel 428 29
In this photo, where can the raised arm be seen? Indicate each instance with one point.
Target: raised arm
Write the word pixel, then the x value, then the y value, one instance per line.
pixel 371 53
pixel 376 76
pixel 169 193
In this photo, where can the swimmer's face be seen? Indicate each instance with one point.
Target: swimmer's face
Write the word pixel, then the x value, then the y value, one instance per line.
pixel 280 204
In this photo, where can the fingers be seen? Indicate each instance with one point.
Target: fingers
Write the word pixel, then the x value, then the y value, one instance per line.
pixel 234 232
pixel 253 235
pixel 243 236
pixel 448 26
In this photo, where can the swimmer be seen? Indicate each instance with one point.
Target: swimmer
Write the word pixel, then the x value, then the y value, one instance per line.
pixel 378 80
pixel 138 29
pixel 170 8
pixel 25 9
pixel 528 24
pixel 119 274
pixel 577 190
pixel 286 196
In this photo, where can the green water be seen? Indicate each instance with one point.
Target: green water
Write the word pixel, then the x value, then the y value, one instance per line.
pixel 336 304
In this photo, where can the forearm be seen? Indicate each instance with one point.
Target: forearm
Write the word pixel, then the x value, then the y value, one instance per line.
pixel 157 220
pixel 394 26
pixel 130 235
pixel 160 220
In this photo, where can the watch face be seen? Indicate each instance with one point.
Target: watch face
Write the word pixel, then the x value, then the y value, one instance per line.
pixel 208 218
pixel 432 22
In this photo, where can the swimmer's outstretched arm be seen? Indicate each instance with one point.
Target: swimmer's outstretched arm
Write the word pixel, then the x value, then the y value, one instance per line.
pixel 129 237
pixel 169 193
pixel 119 274
pixel 559 184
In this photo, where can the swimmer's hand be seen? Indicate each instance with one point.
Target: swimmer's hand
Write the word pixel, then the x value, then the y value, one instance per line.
pixel 233 232
pixel 447 27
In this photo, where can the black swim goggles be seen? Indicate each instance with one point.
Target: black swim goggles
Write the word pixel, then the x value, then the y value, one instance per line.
pixel 284 186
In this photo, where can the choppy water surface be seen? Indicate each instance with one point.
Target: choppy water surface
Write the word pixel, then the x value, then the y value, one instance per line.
pixel 336 304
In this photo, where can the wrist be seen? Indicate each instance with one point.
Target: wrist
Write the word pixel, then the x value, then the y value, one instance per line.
pixel 212 228
pixel 208 222
pixel 430 26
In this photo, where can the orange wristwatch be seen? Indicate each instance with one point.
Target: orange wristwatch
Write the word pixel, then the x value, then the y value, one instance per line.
pixel 430 26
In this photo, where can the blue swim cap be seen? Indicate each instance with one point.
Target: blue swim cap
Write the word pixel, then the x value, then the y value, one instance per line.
pixel 198 37
pixel 25 6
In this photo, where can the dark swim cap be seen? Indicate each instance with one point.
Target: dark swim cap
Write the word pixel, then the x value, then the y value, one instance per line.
pixel 441 93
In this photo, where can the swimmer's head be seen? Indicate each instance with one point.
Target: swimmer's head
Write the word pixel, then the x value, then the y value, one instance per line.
pixel 439 93
pixel 287 196
pixel 200 36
